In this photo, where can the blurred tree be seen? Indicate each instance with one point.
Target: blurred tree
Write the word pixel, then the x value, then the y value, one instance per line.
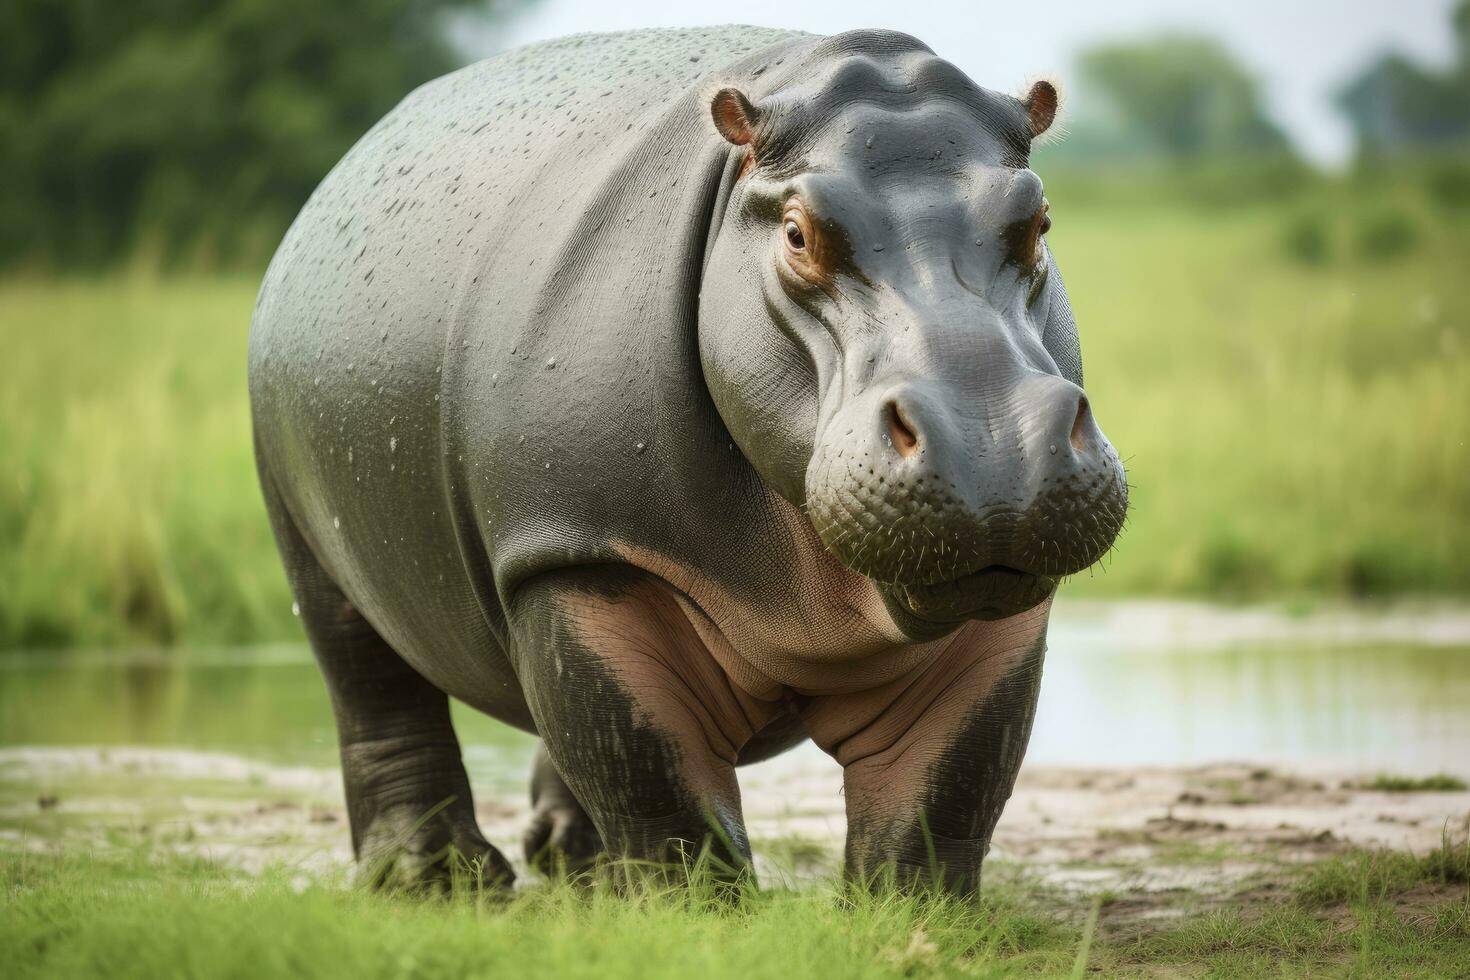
pixel 193 127
pixel 1185 95
pixel 1396 106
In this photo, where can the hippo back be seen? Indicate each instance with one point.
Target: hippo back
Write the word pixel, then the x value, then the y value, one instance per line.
pixel 506 264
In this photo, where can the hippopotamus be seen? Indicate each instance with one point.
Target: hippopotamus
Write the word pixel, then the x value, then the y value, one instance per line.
pixel 679 396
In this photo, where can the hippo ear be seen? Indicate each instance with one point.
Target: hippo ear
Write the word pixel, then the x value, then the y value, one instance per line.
pixel 734 116
pixel 1041 106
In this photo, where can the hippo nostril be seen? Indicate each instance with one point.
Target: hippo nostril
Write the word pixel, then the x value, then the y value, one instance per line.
pixel 900 431
pixel 1080 426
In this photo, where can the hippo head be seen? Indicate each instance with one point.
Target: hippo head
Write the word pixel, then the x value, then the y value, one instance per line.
pixel 884 332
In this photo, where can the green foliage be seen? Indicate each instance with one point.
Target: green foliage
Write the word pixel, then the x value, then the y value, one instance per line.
pixel 130 513
pixel 1307 240
pixel 194 129
pixel 1438 783
pixel 1186 93
pixel 1264 940
pixel 1372 876
pixel 1279 932
pixel 1387 233
pixel 1287 429
pixel 1449 182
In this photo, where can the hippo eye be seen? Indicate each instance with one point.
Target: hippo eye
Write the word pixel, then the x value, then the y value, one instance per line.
pixel 1027 248
pixel 804 251
pixel 794 237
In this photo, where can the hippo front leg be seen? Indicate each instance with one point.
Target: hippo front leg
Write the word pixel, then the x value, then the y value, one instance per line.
pixel 930 759
pixel 637 718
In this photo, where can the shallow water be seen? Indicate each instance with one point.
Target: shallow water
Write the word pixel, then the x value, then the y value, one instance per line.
pixel 1125 685
pixel 1340 691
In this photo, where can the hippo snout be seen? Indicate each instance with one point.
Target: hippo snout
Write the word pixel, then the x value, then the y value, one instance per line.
pixel 961 505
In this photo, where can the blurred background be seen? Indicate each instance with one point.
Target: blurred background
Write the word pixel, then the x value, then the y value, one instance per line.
pixel 1262 210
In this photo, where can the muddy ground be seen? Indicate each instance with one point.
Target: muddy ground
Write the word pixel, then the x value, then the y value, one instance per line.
pixel 1143 838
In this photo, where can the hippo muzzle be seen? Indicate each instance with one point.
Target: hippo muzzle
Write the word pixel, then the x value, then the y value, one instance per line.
pixel 964 501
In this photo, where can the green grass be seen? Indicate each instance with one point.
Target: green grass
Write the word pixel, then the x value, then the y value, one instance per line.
pixel 142 913
pixel 1371 876
pixel 129 510
pixel 1294 423
pixel 1288 428
pixel 1367 941
pixel 1438 783
pixel 150 918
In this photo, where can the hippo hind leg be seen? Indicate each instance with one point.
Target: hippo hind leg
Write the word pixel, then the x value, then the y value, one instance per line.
pixel 408 797
pixel 562 839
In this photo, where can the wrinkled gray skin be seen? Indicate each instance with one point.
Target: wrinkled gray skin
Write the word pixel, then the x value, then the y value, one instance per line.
pixel 556 415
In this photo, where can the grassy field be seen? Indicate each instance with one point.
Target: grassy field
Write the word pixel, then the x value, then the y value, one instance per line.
pixel 1365 914
pixel 130 511
pixel 1286 378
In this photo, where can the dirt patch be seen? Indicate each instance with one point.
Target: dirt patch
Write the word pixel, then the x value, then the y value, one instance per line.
pixel 1139 839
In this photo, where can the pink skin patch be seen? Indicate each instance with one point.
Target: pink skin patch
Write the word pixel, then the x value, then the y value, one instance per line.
pixel 825 631
pixel 651 647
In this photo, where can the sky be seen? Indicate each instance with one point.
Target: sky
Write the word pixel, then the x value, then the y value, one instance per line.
pixel 1301 50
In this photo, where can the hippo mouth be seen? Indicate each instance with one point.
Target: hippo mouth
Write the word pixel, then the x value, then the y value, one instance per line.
pixel 993 592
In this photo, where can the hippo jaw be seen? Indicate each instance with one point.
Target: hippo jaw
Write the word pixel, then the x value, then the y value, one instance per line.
pixel 994 592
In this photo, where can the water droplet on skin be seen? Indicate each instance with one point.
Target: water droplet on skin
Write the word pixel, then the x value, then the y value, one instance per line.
pixel 640 447
pixel 392 444
pixel 1053 449
pixel 550 363
pixel 296 609
pixel 877 248
pixel 337 522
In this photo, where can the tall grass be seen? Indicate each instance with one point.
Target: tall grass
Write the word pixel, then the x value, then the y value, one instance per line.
pixel 129 511
pixel 1292 423
pixel 1288 426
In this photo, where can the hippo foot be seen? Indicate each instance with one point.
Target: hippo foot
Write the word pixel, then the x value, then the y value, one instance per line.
pixel 562 840
pixel 400 852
